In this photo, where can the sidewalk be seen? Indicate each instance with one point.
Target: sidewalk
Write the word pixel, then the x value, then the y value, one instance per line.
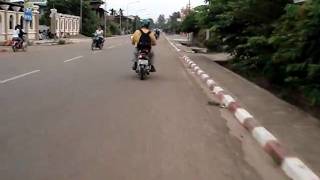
pixel 297 130
pixel 50 42
pixel 4 49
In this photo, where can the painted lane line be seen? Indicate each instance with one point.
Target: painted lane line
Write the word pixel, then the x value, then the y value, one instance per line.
pixel 72 59
pixel 95 52
pixel 19 76
pixel 110 47
pixel 175 47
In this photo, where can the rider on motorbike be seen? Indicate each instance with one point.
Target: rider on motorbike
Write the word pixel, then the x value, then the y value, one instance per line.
pixel 157 32
pixel 99 33
pixel 144 39
pixel 18 34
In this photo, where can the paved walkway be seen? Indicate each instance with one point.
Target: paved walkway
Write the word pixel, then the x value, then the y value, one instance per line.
pixel 296 129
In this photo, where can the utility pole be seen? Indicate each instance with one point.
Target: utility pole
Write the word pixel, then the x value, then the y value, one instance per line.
pixel 127 17
pixel 81 16
pixel 120 25
pixel 105 18
pixel 27 17
pixel 120 12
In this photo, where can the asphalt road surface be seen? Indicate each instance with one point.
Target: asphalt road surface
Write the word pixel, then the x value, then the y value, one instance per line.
pixel 67 113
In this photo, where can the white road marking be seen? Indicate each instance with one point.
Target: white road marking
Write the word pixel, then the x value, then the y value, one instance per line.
pixel 72 59
pixel 19 76
pixel 95 52
pixel 110 47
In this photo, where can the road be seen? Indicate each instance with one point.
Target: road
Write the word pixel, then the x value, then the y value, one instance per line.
pixel 68 113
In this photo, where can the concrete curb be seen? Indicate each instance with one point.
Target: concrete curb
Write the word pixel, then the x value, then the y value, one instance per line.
pixel 6 45
pixel 3 50
pixel 292 166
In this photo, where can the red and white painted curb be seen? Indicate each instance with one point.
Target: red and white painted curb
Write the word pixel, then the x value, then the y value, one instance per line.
pixel 293 167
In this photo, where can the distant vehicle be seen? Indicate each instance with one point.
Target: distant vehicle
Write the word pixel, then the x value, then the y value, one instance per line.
pixel 97 42
pixel 16 45
pixel 157 33
pixel 44 32
pixel 143 64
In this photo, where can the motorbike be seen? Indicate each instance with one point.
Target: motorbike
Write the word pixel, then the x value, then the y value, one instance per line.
pixel 143 64
pixel 156 35
pixel 96 44
pixel 16 45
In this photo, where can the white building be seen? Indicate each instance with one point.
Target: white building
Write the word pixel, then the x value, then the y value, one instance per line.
pixel 64 25
pixel 12 14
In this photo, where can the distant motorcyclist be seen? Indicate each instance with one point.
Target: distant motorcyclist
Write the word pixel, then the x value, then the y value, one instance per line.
pixel 157 32
pixel 99 33
pixel 144 39
pixel 18 34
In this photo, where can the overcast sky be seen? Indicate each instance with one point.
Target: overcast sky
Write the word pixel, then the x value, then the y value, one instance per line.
pixel 151 8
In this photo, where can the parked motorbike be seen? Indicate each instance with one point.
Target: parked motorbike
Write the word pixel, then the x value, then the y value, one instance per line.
pixel 96 42
pixel 143 64
pixel 16 45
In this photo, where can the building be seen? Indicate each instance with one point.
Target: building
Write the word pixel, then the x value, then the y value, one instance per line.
pixel 64 25
pixel 11 14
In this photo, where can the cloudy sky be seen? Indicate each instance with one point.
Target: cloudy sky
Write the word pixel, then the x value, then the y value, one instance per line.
pixel 151 8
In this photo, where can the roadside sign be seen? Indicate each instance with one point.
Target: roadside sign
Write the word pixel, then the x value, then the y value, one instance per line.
pixel 28 14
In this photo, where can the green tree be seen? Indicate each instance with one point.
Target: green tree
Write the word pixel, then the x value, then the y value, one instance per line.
pixel 276 39
pixel 152 23
pixel 113 28
pixel 174 25
pixel 190 23
pixel 297 41
pixel 161 21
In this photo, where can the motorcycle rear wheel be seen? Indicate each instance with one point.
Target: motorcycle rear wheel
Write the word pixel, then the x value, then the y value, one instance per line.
pixel 142 74
pixel 24 48
pixel 92 46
